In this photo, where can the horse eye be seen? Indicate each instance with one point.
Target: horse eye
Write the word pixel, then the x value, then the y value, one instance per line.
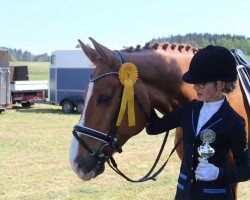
pixel 104 99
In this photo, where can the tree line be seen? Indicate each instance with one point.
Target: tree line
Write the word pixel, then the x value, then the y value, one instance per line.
pixel 194 39
pixel 19 55
pixel 202 40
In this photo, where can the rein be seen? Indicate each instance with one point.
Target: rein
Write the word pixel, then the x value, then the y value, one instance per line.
pixel 110 140
pixel 147 177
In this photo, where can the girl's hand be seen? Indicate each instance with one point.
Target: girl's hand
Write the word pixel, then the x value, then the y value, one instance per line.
pixel 206 172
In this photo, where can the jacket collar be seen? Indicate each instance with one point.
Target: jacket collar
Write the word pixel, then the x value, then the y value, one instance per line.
pixel 195 115
pixel 220 114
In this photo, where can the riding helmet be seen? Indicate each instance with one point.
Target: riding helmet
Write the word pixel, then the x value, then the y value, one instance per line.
pixel 212 63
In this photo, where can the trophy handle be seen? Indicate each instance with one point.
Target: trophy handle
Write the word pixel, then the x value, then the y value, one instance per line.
pixel 203 160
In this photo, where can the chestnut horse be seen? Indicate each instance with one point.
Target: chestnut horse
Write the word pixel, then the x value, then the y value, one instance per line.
pixel 159 85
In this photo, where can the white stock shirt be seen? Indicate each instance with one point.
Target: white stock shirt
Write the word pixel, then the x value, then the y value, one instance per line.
pixel 207 111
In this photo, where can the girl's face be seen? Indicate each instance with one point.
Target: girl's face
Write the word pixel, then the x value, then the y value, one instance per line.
pixel 207 91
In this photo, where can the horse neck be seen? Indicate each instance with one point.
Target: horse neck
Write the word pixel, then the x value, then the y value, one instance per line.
pixel 161 73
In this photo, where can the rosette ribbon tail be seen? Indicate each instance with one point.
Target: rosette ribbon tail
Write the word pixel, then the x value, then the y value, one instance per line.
pixel 128 75
pixel 127 101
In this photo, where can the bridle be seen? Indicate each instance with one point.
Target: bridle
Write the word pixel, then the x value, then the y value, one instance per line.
pixel 110 140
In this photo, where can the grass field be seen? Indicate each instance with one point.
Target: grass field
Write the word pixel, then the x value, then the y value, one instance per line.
pixel 34 146
pixel 37 70
pixel 34 165
pixel 34 161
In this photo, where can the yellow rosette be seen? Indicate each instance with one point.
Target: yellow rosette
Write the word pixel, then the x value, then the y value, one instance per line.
pixel 128 75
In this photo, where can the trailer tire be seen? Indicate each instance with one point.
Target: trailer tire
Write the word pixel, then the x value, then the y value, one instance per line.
pixel 79 107
pixel 26 104
pixel 67 107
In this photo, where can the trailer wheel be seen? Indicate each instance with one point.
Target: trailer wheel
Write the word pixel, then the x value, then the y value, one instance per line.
pixel 67 107
pixel 26 104
pixel 79 107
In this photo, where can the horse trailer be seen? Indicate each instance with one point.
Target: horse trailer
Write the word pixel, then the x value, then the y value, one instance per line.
pixel 23 90
pixel 70 71
pixel 4 80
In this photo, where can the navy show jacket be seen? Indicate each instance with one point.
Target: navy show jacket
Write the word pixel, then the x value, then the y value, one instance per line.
pixel 229 127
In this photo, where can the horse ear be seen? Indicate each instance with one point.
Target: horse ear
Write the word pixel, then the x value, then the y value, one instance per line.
pixel 103 51
pixel 89 52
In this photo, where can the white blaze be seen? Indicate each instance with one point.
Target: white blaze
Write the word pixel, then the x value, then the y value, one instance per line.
pixel 89 94
pixel 74 143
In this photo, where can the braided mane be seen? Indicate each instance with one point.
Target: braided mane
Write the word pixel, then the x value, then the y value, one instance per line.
pixel 178 48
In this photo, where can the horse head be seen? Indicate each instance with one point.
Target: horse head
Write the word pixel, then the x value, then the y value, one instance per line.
pixel 97 136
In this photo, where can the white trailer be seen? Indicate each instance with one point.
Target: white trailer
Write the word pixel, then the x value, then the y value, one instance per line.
pixel 28 85
pixel 28 92
pixel 70 71
pixel 4 80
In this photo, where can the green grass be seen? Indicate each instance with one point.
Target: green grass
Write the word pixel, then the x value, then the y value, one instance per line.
pixel 34 145
pixel 34 163
pixel 37 70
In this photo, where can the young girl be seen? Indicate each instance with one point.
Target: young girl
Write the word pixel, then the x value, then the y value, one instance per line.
pixel 208 120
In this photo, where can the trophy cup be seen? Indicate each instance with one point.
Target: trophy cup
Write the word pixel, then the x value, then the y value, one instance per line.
pixel 205 150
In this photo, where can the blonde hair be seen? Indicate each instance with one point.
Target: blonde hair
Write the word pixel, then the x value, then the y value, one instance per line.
pixel 218 93
pixel 229 87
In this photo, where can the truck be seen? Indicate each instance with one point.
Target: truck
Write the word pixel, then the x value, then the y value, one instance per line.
pixel 23 90
pixel 70 71
pixel 5 101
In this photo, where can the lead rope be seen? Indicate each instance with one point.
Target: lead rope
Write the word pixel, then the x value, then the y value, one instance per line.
pixel 111 162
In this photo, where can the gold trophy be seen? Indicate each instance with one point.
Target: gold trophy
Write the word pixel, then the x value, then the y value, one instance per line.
pixel 205 150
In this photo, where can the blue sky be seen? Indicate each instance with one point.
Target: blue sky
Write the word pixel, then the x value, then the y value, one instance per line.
pixel 42 26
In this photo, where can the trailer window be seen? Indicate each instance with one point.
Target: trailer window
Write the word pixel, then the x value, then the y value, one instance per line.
pixel 53 59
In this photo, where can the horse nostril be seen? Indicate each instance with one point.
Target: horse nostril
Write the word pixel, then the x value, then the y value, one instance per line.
pixel 78 166
pixel 83 167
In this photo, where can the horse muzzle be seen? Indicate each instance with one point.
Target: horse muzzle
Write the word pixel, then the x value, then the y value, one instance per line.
pixel 92 163
pixel 88 169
